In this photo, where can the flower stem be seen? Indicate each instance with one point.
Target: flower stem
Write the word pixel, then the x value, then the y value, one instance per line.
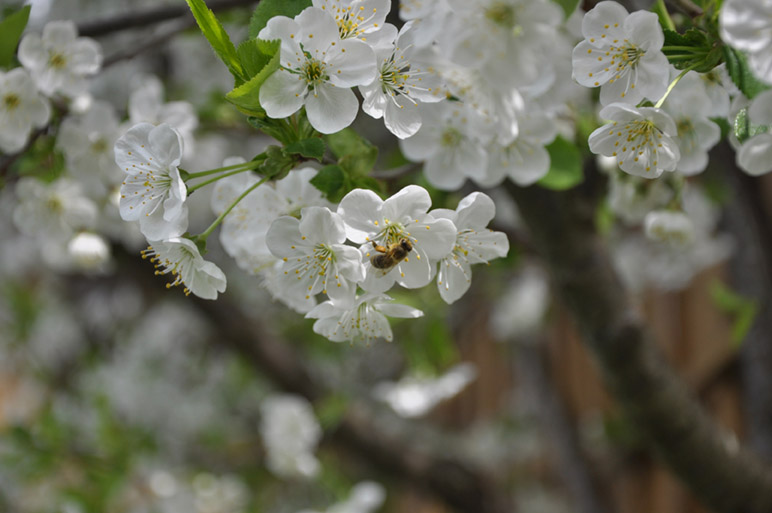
pixel 214 179
pixel 205 234
pixel 218 170
pixel 674 82
pixel 664 16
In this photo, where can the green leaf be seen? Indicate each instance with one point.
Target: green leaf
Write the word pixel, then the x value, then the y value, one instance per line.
pixel 309 148
pixel 694 49
pixel 742 309
pixel 217 37
pixel 247 96
pixel 267 9
pixel 744 129
pixel 11 29
pixel 568 6
pixel 277 164
pixel 356 154
pixel 565 166
pixel 740 73
pixel 330 180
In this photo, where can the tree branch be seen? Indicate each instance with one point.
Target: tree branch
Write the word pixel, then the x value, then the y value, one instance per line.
pixel 725 477
pixel 128 21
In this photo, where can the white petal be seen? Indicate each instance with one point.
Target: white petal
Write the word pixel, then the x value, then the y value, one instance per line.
pixel 475 211
pixel 282 94
pixel 361 211
pixel 320 225
pixel 330 109
pixel 755 155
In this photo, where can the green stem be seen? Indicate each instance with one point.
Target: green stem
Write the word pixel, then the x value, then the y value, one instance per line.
pixel 214 179
pixel 664 16
pixel 218 170
pixel 205 234
pixel 674 82
pixel 690 49
pixel 680 57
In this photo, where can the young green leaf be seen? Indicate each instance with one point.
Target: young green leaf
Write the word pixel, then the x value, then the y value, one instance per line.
pixel 565 166
pixel 740 73
pixel 309 148
pixel 330 180
pixel 11 29
pixel 217 37
pixel 355 153
pixel 742 309
pixel 267 9
pixel 247 96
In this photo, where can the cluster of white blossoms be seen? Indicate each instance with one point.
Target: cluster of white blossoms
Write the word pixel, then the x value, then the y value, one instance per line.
pixel 622 54
pixel 54 65
pixel 290 432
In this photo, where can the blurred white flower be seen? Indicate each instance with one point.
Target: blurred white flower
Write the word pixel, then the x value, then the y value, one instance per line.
pixel 521 309
pixel 60 61
pixel 414 396
pixel 747 25
pixel 52 210
pixel 89 251
pixel 22 108
pixel 290 433
pixel 670 227
pixel 755 155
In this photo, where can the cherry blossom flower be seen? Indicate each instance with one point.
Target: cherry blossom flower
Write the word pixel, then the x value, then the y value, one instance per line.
pixel 361 319
pixel 53 210
pixel 622 54
pixel 669 226
pixel 755 154
pixel 153 191
pixel 317 70
pixel 87 142
pixel 452 141
pixel 314 257
pixel 689 105
pixel 414 396
pixel 747 25
pixel 506 39
pixel 475 244
pixel 406 79
pixel 370 220
pixel 356 18
pixel 641 139
pixel 146 105
pixel 22 108
pixel 180 258
pixel 525 160
pixel 60 61
pixel 290 434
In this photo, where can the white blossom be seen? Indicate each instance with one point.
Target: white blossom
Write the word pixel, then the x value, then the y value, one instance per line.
pixel 641 139
pixel 314 257
pixel 360 319
pixel 318 69
pixel 52 211
pixel 290 433
pixel 747 25
pixel 414 396
pixel 475 244
pixel 180 258
pixel 406 79
pixel 153 192
pixel 622 54
pixel 22 108
pixel 689 105
pixel 669 226
pixel 356 18
pixel 372 221
pixel 755 155
pixel 60 61
pixel 88 142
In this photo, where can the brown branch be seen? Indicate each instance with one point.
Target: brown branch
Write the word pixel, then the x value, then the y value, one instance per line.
pixel 570 463
pixel 722 475
pixel 751 267
pixel 364 430
pixel 153 16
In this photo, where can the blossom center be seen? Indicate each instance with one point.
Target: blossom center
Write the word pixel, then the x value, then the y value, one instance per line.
pixel 99 146
pixel 626 56
pixel 314 72
pixel 11 101
pixel 57 61
pixel 175 262
pixel 349 22
pixel 451 138
pixel 502 15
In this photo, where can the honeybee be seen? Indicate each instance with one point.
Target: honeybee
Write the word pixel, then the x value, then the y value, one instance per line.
pixel 390 256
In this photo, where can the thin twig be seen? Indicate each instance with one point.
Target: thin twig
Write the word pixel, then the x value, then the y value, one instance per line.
pixel 150 43
pixel 153 16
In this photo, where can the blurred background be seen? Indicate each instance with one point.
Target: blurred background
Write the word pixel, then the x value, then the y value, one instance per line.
pixel 117 395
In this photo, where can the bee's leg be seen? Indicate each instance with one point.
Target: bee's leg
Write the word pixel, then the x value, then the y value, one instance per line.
pixel 379 249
